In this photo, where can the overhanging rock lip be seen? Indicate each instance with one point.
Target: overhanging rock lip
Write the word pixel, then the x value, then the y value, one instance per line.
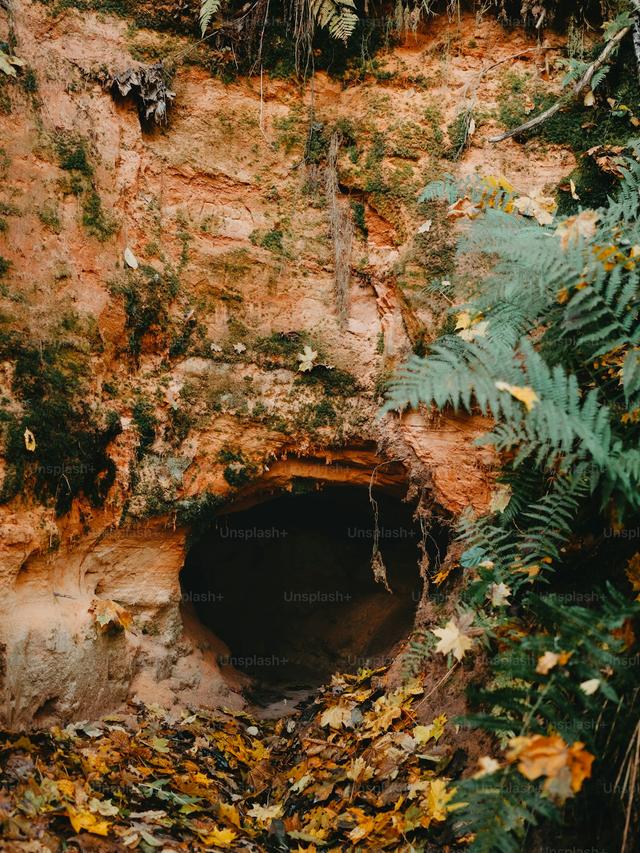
pixel 356 466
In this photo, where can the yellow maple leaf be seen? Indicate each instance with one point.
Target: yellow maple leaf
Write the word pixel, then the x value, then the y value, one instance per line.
pixel 219 837
pixel 88 821
pixel 266 813
pixel 498 183
pixel 359 770
pixel 452 638
pixel 437 798
pixel 67 788
pixel 463 320
pixel 229 813
pixel 524 393
pixel 434 731
pixel 444 573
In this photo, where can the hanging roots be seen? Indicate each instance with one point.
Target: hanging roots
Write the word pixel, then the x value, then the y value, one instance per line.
pixel 341 226
pixel 146 84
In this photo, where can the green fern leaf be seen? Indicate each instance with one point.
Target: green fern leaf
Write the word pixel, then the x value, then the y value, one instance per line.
pixel 208 9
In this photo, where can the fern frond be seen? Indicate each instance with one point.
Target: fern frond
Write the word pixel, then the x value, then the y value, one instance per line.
pixel 208 9
pixel 338 16
pixel 497 811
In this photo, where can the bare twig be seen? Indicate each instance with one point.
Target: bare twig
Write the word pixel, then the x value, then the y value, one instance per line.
pixel 583 83
pixel 467 112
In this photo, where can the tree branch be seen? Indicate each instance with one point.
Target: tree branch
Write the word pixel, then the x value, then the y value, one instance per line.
pixel 583 83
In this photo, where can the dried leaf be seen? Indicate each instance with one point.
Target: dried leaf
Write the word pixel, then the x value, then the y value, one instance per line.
pixel 110 616
pixel 266 813
pixel 434 731
pixel 336 716
pixel 549 756
pixel 575 228
pixel 463 208
pixel 525 394
pixel 546 662
pixel 88 821
pixel 498 594
pixel 500 498
pixel 540 207
pixel 452 638
pixel 146 84
pixel 130 259
pixel 220 838
pixel 29 440
pixel 307 359
pixel 633 574
pixel 487 766
pixel 590 686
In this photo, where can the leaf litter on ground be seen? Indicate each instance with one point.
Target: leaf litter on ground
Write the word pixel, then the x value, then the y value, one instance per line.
pixel 352 769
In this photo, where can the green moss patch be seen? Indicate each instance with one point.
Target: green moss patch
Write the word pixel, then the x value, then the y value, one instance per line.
pixel 51 381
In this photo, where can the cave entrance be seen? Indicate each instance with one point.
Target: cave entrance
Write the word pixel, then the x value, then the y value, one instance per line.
pixel 288 584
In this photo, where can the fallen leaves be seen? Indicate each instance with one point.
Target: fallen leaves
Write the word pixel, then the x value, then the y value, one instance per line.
pixel 487 765
pixel 463 208
pixel 265 814
pixel 88 821
pixel 500 498
pixel 546 663
pixel 525 394
pixel 336 716
pixel 565 767
pixel 609 159
pixel 110 616
pixel 349 769
pixel 469 328
pixel 454 636
pixel 590 686
pixel 540 207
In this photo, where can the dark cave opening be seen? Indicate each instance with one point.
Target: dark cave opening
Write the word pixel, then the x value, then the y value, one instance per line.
pixel 288 583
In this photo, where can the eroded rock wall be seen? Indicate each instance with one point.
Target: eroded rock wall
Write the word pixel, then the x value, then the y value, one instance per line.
pixel 180 378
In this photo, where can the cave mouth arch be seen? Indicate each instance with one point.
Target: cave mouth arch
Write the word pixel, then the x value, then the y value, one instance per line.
pixel 287 584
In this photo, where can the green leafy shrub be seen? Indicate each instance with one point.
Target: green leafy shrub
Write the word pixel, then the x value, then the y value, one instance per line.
pixel 550 349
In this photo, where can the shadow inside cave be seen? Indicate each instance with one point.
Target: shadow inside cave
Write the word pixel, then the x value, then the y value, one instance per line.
pixel 288 584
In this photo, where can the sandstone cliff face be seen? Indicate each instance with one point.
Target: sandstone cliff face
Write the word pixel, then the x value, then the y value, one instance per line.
pixel 184 371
